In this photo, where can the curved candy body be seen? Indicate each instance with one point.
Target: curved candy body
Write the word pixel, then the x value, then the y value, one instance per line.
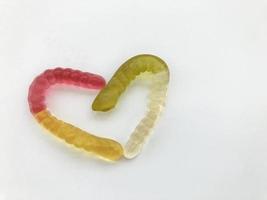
pixel 109 96
pixel 102 147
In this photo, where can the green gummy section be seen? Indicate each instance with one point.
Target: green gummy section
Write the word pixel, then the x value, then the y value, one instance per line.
pixel 109 96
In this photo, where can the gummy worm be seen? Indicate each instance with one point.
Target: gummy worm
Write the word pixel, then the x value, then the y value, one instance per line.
pixel 109 96
pixel 101 147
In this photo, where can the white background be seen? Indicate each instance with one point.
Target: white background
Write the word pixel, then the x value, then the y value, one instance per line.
pixel 211 141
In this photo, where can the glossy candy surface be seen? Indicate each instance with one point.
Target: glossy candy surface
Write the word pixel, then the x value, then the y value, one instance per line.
pixel 109 96
pixel 148 65
pixel 101 147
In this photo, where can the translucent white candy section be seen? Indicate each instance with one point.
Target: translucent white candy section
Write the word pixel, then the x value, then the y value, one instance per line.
pixel 156 104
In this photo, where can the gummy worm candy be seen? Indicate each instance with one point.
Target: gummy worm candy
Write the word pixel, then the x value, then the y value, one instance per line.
pixel 109 96
pixel 101 147
pixel 107 99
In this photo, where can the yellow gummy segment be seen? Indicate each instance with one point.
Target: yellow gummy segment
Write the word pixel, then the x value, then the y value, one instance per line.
pixel 109 96
pixel 101 147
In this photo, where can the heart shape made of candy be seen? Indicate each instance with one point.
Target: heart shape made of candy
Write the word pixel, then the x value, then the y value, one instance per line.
pixel 104 148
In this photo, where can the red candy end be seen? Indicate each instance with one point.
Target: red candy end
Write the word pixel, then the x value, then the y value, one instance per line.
pixel 41 83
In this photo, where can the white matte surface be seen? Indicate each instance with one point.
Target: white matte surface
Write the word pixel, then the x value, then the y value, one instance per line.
pixel 210 143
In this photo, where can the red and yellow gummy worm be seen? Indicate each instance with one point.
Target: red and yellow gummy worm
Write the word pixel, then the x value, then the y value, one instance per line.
pixel 101 147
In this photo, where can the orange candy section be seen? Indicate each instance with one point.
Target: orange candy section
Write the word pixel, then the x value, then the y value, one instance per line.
pixel 100 147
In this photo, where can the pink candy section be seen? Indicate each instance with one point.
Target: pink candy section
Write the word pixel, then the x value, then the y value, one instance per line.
pixel 41 83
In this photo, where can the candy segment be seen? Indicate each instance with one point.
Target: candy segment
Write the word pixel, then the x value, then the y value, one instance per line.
pixel 41 83
pixel 101 147
pixel 109 96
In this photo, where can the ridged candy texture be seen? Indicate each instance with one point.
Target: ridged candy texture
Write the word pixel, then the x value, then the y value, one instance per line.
pixel 101 147
pixel 109 96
